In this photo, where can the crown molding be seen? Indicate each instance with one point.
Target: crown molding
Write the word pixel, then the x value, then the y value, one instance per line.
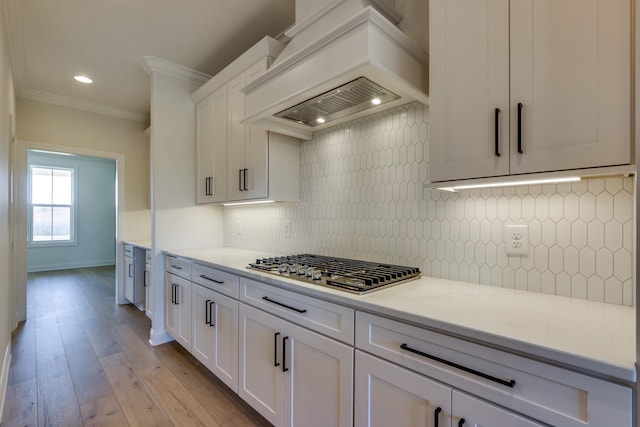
pixel 152 64
pixel 66 101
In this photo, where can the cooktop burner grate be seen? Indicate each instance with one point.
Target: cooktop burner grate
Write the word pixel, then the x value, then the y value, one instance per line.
pixel 346 274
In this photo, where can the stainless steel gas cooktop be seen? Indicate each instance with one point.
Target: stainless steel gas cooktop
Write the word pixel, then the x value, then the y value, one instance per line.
pixel 345 274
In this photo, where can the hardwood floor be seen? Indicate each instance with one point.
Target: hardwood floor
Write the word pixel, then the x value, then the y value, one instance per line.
pixel 82 360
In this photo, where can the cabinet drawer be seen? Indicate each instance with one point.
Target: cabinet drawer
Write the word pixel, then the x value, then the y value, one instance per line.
pixel 217 280
pixel 544 392
pixel 178 266
pixel 333 320
pixel 128 250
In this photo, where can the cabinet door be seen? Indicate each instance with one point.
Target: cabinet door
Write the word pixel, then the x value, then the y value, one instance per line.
pixel 260 382
pixel 203 332
pixel 571 71
pixel 178 309
pixel 215 333
pixel 148 289
pixel 257 148
pixel 388 395
pixel 479 413
pixel 129 274
pixel 469 80
pixel 171 314
pixel 318 386
pixel 238 186
pixel 211 147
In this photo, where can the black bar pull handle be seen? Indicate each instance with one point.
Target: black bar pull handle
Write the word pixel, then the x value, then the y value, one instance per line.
pixel 508 383
pixel 275 349
pixel 205 277
pixel 497 129
pixel 207 313
pixel 130 265
pixel 298 310
pixel 145 277
pixel 436 416
pixel 177 294
pixel 173 293
pixel 246 171
pixel 461 422
pixel 520 107
pixel 284 354
pixel 177 267
pixel 209 309
pixel 240 180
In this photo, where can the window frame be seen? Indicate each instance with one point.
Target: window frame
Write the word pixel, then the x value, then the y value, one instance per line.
pixel 73 207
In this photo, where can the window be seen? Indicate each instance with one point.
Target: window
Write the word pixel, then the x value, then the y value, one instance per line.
pixel 52 210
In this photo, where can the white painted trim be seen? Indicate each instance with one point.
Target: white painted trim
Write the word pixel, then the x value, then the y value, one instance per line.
pixel 4 377
pixel 72 265
pixel 300 26
pixel 152 64
pixel 20 245
pixel 157 338
pixel 66 101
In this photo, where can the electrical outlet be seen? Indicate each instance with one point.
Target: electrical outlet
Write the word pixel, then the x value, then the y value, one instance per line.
pixel 516 239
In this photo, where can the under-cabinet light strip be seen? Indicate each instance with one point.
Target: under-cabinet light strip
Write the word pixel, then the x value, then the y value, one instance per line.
pixel 512 183
pixel 255 202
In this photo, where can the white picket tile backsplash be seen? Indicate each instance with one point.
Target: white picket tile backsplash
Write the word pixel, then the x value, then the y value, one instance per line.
pixel 363 197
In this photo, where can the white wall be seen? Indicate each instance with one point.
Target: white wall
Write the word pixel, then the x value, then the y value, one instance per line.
pixel 7 110
pixel 50 124
pixel 176 220
pixel 95 243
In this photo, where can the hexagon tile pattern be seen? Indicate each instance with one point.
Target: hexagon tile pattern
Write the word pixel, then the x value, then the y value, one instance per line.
pixel 363 196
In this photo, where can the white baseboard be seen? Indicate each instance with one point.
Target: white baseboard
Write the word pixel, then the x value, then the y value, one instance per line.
pixel 69 266
pixel 4 377
pixel 159 337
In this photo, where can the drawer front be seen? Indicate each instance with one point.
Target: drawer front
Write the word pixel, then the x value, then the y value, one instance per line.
pixel 128 250
pixel 333 320
pixel 219 281
pixel 544 392
pixel 178 266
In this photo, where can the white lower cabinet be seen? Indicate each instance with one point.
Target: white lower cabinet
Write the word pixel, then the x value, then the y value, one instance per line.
pixel 546 394
pixel 215 333
pixel 291 375
pixel 388 395
pixel 178 309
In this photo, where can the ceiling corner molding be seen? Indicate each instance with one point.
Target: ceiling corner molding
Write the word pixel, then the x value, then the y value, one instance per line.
pixel 65 101
pixel 152 64
pixel 12 17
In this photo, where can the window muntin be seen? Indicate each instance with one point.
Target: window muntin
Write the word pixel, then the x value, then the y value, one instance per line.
pixel 52 204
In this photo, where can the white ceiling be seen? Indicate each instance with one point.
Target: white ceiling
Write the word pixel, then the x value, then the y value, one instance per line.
pixel 53 40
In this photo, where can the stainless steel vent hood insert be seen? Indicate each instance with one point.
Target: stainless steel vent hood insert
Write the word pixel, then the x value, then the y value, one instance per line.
pixel 353 97
pixel 364 49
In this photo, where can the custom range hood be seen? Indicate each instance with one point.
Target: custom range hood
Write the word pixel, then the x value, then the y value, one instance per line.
pixel 345 59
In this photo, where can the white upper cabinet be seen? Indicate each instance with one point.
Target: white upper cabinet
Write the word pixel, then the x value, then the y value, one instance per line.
pixel 211 154
pixel 237 162
pixel 523 86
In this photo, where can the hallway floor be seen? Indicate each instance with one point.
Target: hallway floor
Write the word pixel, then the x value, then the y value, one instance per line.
pixel 82 360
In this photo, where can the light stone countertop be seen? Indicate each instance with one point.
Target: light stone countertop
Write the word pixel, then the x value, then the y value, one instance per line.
pixel 144 244
pixel 586 336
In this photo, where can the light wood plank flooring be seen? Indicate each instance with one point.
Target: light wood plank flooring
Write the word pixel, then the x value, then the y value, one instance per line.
pixel 82 360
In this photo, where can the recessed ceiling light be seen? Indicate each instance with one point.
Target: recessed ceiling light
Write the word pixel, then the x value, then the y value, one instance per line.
pixel 320 120
pixel 83 79
pixel 376 101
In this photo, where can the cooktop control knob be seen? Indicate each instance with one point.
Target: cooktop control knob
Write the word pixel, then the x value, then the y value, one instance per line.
pixel 317 275
pixel 293 268
pixel 283 268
